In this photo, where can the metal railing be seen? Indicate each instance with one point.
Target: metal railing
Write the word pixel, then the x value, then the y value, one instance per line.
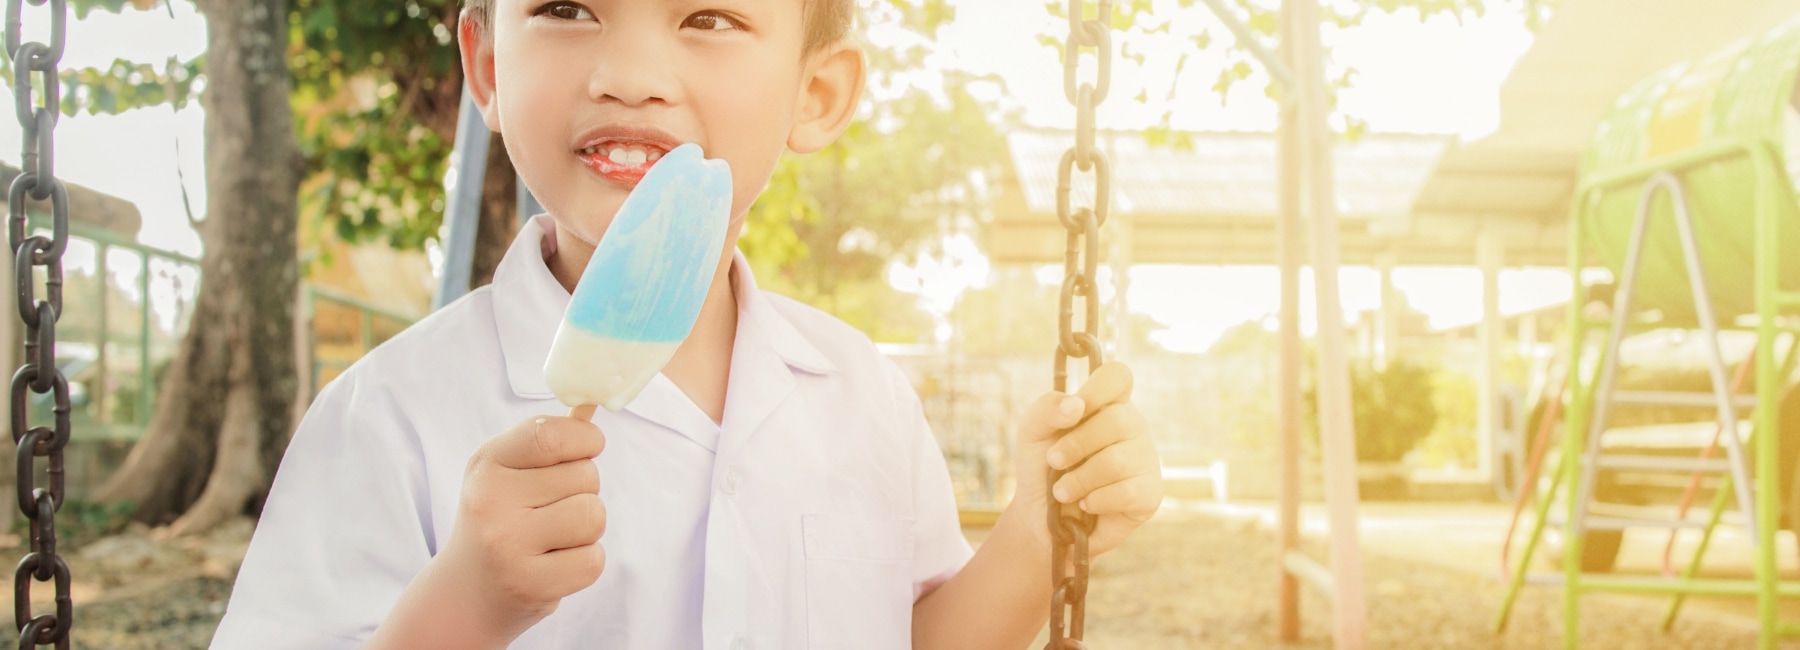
pixel 368 316
pixel 105 378
pixel 99 369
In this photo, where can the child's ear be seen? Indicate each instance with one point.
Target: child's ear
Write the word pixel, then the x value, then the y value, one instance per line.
pixel 829 91
pixel 477 42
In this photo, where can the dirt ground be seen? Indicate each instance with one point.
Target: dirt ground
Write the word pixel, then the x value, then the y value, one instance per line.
pixel 1188 580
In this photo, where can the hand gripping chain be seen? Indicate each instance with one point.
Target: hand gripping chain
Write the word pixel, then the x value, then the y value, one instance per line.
pixel 1069 527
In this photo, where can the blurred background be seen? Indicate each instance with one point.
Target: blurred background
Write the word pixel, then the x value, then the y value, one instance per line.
pixel 1462 134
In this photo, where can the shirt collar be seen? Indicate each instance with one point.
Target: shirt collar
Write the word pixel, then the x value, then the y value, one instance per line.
pixel 529 304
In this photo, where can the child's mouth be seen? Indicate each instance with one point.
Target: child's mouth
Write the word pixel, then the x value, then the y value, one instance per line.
pixel 621 163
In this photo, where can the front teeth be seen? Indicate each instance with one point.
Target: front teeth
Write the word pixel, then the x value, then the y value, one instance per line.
pixel 628 156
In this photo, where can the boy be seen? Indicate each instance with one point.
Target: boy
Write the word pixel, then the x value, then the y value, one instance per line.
pixel 775 487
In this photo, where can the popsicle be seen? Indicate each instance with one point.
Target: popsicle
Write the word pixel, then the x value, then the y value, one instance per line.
pixel 640 293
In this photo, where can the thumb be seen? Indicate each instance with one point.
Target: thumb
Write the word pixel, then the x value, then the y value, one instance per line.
pixel 1049 415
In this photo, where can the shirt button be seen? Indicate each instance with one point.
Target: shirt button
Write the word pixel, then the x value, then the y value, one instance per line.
pixel 732 480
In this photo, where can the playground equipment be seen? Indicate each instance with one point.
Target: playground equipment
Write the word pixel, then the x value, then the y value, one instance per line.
pixel 1686 196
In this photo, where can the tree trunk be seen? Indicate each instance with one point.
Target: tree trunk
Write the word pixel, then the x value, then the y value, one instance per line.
pixel 499 213
pixel 224 410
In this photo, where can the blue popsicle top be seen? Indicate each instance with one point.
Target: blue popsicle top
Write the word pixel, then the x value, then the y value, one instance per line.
pixel 655 262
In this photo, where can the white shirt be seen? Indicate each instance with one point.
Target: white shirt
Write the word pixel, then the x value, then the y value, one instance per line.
pixel 813 518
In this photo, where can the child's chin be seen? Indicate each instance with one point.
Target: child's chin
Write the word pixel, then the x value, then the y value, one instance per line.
pixel 585 231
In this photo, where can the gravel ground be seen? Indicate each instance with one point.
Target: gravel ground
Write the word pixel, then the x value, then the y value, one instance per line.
pixel 1191 580
pixel 1187 580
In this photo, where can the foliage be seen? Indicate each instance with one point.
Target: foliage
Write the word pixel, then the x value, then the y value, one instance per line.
pixel 1139 23
pixel 79 522
pixel 884 191
pixel 377 90
pixel 1015 315
pixel 1452 439
pixel 1393 409
pixel 1247 338
pixel 915 164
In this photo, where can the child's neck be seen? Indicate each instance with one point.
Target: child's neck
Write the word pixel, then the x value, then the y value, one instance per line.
pixel 701 367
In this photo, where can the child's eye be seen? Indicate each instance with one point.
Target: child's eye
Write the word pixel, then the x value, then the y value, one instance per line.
pixel 564 11
pixel 711 21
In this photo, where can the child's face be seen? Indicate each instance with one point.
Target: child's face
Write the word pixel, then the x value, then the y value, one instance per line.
pixel 587 92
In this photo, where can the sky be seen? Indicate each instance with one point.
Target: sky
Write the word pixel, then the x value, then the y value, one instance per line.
pixel 1435 76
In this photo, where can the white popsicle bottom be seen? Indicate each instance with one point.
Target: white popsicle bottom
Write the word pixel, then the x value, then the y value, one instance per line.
pixel 587 368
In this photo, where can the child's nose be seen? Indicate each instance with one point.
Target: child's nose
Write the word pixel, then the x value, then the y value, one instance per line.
pixel 632 70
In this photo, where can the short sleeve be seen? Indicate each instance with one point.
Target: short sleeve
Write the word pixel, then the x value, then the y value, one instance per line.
pixel 345 528
pixel 939 548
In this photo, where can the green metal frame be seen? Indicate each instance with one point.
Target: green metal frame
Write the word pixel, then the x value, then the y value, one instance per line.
pixel 106 240
pixel 1770 302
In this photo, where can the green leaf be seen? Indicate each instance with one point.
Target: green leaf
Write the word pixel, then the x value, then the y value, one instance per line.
pixel 1264 22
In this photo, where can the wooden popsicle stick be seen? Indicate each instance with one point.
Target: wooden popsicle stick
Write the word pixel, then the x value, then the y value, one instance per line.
pixel 585 412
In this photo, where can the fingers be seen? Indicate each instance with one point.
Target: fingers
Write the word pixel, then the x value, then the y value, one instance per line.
pixel 585 412
pixel 571 569
pixel 578 520
pixel 1136 498
pixel 545 441
pixel 1110 426
pixel 1110 384
pixel 1120 462
pixel 1052 412
pixel 551 484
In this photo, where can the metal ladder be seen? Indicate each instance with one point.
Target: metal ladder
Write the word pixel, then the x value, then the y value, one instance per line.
pixel 1583 441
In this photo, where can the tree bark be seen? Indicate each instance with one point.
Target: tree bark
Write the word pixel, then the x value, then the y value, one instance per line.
pixel 224 411
pixel 499 213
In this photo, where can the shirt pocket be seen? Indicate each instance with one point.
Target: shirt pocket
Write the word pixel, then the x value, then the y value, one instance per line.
pixel 858 593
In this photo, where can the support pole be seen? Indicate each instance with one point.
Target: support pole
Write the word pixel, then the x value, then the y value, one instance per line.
pixel 462 216
pixel 1387 318
pixel 1287 379
pixel 1337 429
pixel 1281 69
pixel 1490 255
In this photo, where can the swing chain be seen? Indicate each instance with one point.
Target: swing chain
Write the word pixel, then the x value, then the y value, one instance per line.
pixel 1069 527
pixel 37 181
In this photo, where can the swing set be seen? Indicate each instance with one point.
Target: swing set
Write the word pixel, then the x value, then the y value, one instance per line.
pixel 1306 186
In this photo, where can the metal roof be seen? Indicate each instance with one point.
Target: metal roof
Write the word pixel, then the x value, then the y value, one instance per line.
pixel 1214 203
pixel 1226 174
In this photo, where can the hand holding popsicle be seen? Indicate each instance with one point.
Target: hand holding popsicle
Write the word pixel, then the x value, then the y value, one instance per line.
pixel 527 534
pixel 529 521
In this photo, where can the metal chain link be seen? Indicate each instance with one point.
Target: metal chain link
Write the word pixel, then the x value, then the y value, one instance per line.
pixel 39 374
pixel 1068 525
